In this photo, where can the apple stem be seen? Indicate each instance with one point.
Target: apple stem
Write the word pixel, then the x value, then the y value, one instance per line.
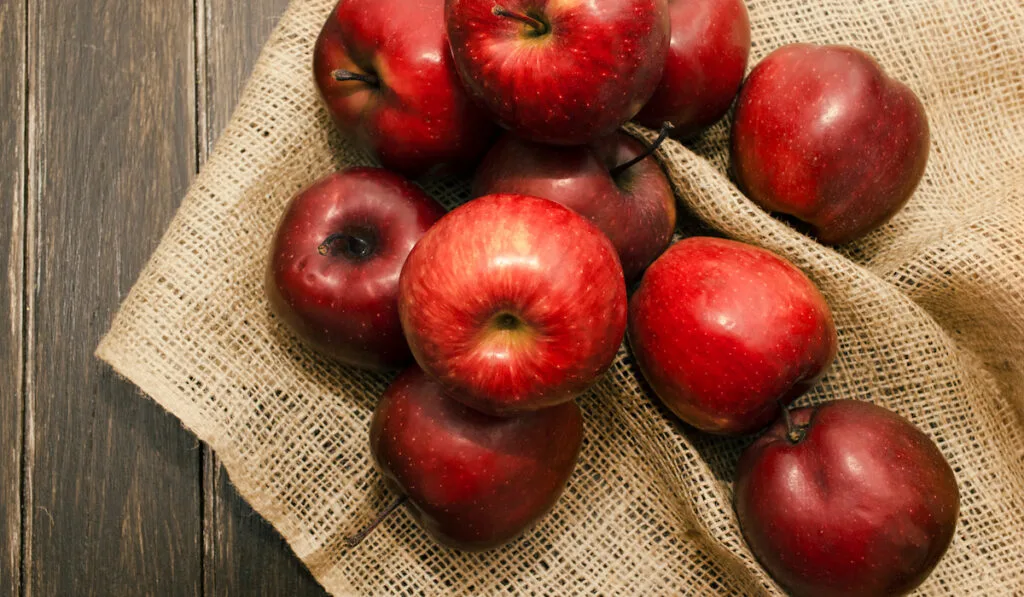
pixel 539 27
pixel 347 75
pixel 666 128
pixel 794 432
pixel 356 539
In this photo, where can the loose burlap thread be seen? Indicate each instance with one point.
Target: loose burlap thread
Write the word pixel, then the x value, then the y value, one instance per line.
pixel 928 310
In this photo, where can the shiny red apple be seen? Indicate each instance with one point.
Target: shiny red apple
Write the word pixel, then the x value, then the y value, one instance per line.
pixel 513 303
pixel 473 481
pixel 634 206
pixel 725 332
pixel 706 60
pixel 335 262
pixel 384 70
pixel 561 72
pixel 849 500
pixel 823 134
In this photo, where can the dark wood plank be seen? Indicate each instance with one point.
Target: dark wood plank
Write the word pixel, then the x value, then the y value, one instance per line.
pixel 12 197
pixel 249 557
pixel 245 555
pixel 115 479
pixel 236 32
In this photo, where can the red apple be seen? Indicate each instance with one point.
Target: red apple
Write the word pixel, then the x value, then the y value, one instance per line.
pixel 384 70
pixel 513 303
pixel 822 134
pixel 850 500
pixel 335 262
pixel 726 332
pixel 634 207
pixel 707 57
pixel 562 72
pixel 473 481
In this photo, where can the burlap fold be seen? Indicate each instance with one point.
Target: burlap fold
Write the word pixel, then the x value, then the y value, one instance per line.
pixel 928 309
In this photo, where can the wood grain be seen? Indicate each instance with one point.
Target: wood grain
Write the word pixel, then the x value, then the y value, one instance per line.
pixel 13 104
pixel 245 555
pixel 114 479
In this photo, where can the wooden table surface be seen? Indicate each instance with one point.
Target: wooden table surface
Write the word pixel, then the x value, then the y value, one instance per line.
pixel 110 107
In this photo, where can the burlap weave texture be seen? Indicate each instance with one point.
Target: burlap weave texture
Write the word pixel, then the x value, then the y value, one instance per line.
pixel 929 311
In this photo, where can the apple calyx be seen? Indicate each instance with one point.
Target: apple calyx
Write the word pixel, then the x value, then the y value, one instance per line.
pixel 539 27
pixel 794 433
pixel 346 75
pixel 356 245
pixel 357 538
pixel 666 128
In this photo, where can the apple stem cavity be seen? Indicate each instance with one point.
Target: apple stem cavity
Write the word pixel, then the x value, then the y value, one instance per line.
pixel 347 75
pixel 666 128
pixel 539 26
pixel 794 433
pixel 506 321
pixel 353 246
pixel 356 539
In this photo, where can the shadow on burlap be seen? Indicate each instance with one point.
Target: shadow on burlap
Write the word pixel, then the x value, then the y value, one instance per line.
pixel 928 310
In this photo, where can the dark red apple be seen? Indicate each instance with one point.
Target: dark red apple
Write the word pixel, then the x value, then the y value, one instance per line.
pixel 822 134
pixel 725 332
pixel 634 206
pixel 850 500
pixel 513 303
pixel 707 57
pixel 473 481
pixel 335 262
pixel 384 70
pixel 561 72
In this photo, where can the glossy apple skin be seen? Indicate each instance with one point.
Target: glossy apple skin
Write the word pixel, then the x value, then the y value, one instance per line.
pixel 513 303
pixel 420 118
pixel 635 209
pixel 344 304
pixel 724 332
pixel 706 60
pixel 474 481
pixel 593 70
pixel 864 504
pixel 823 134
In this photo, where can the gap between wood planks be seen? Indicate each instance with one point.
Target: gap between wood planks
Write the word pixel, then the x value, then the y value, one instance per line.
pixel 207 460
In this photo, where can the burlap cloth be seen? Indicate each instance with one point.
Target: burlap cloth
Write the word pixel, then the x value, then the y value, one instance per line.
pixel 929 311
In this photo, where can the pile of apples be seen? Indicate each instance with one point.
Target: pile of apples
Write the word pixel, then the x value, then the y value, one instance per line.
pixel 504 310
